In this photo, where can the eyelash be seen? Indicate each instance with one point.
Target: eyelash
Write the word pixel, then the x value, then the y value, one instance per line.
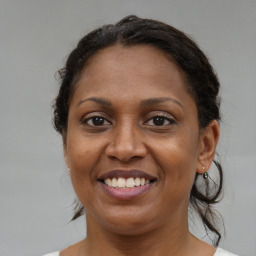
pixel 93 118
pixel 161 117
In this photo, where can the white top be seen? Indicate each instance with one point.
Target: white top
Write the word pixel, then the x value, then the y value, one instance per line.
pixel 52 254
pixel 219 252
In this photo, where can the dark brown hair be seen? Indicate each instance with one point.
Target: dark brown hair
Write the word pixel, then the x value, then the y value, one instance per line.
pixel 202 83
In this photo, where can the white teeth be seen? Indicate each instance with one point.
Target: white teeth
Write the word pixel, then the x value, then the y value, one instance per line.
pixel 137 182
pixel 130 183
pixel 114 182
pixel 121 182
pixel 108 182
pixel 126 183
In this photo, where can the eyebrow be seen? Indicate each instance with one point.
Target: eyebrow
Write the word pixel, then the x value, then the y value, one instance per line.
pixel 100 101
pixel 155 101
pixel 144 103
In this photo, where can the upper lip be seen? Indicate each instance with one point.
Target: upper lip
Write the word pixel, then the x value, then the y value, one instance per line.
pixel 133 173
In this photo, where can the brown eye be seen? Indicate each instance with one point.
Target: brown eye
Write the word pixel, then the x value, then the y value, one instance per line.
pixel 160 121
pixel 97 121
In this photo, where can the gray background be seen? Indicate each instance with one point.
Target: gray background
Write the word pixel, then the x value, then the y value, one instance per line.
pixel 36 36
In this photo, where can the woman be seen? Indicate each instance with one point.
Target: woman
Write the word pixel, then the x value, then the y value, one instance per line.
pixel 138 111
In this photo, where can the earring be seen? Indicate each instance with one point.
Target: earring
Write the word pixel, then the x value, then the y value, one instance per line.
pixel 205 174
pixel 69 169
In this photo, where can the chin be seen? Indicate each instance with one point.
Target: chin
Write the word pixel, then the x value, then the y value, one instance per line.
pixel 126 220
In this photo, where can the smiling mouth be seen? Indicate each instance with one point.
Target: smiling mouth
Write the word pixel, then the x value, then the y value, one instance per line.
pixel 123 183
pixel 120 179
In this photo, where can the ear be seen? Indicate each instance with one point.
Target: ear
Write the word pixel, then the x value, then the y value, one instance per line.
pixel 207 145
pixel 65 151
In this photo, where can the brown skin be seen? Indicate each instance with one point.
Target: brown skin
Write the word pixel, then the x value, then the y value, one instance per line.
pixel 155 223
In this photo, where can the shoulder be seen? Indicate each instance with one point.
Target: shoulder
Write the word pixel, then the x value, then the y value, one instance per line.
pixel 221 252
pixel 52 254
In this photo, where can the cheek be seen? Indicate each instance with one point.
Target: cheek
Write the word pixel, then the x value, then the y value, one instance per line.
pixel 82 150
pixel 82 161
pixel 83 154
pixel 177 157
pixel 179 150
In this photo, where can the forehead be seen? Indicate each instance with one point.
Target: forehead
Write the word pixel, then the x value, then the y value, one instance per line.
pixel 124 54
pixel 140 62
pixel 132 72
pixel 140 59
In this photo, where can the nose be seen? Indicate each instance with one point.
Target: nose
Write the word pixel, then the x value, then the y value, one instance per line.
pixel 126 144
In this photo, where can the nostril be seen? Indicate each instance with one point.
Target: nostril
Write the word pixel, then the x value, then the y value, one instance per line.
pixel 126 146
pixel 125 156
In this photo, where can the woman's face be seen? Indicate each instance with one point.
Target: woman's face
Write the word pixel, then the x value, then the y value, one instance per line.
pixel 133 143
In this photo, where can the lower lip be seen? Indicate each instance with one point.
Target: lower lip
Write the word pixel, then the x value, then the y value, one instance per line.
pixel 126 193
